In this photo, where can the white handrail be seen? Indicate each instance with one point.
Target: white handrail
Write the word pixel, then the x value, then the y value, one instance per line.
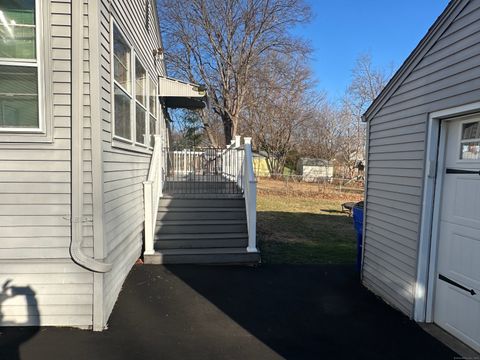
pixel 250 193
pixel 153 190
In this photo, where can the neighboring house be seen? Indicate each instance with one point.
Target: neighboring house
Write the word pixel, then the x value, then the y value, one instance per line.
pixel 83 94
pixel 260 165
pixel 422 219
pixel 314 169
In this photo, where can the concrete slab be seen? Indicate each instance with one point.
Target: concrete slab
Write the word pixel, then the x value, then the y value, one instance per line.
pixel 235 312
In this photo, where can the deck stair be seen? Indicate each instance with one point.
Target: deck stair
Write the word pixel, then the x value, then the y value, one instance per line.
pixel 205 228
pixel 200 207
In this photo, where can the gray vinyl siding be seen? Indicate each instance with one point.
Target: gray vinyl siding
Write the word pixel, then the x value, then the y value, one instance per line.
pixel 447 76
pixel 35 207
pixel 123 171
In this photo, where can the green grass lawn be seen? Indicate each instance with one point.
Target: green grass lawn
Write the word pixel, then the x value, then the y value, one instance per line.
pixel 296 230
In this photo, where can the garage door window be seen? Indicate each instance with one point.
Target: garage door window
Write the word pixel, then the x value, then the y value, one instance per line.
pixel 470 143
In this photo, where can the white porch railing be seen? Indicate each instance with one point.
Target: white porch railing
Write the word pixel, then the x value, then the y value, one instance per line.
pixel 153 189
pixel 249 186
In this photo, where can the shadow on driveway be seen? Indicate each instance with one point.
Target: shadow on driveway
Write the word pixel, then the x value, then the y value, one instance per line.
pixel 269 312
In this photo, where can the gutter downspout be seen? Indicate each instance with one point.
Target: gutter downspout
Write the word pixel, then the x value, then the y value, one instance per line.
pixel 77 219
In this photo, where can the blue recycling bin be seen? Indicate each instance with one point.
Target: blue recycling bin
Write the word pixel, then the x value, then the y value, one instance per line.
pixel 358 224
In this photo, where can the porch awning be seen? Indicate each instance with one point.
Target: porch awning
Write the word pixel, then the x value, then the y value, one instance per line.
pixel 181 95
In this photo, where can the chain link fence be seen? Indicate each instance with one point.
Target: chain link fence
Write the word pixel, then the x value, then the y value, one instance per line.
pixel 296 185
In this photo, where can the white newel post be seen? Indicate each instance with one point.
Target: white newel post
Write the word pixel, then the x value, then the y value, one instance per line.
pixel 149 250
pixel 250 196
pixel 152 190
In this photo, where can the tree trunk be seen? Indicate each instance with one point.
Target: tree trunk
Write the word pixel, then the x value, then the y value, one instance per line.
pixel 210 136
pixel 227 128
pixel 206 128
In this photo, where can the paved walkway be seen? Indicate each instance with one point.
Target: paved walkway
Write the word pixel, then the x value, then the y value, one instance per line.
pixel 212 312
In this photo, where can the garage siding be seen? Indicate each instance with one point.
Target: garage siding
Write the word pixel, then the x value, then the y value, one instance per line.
pixel 447 76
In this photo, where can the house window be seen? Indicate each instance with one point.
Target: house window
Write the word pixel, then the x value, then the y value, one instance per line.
pixel 122 75
pixel 141 136
pixel 131 95
pixel 19 67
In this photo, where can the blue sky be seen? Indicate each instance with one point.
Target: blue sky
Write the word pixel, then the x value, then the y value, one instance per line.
pixel 342 29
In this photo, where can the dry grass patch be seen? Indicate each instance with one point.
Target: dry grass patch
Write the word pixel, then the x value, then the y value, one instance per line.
pixel 304 228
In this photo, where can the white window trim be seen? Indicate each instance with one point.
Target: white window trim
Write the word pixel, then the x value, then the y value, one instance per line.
pixel 432 183
pixel 39 63
pixel 118 141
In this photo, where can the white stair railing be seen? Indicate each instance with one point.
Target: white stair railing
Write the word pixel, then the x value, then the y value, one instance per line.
pixel 249 187
pixel 152 191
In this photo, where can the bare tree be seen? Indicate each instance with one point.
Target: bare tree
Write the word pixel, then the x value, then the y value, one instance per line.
pixel 367 83
pixel 320 135
pixel 280 101
pixel 220 42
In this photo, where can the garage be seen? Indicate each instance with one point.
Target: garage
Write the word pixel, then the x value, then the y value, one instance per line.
pixel 421 249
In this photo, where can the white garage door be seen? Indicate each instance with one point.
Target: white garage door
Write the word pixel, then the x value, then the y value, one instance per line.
pixel 457 292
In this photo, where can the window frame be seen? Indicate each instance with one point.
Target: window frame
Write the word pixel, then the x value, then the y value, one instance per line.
pixel 41 132
pixel 155 112
pixel 462 141
pixel 119 141
pixel 145 107
pixel 114 82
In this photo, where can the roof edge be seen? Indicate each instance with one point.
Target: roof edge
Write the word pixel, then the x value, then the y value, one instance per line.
pixel 448 15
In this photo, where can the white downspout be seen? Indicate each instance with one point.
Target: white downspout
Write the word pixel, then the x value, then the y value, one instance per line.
pixel 77 219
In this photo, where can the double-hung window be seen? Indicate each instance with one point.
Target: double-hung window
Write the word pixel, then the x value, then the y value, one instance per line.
pixel 20 68
pixel 122 85
pixel 132 97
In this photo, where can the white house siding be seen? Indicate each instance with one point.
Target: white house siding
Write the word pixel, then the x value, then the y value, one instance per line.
pixel 35 206
pixel 447 76
pixel 123 171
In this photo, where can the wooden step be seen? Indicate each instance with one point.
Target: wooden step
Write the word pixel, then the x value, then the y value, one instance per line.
pixel 200 226
pixel 201 243
pixel 189 203
pixel 209 214
pixel 203 256
pixel 202 236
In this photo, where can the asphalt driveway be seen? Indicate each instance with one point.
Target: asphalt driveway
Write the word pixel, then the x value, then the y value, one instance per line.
pixel 213 312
